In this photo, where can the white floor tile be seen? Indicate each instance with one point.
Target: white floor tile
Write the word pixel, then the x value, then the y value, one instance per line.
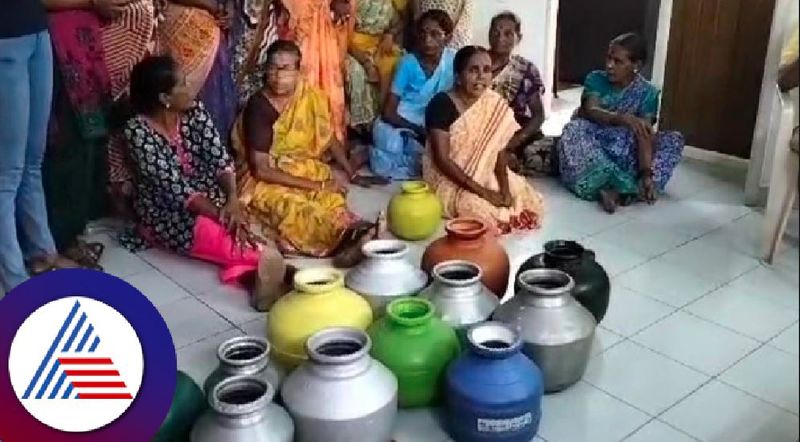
pixel 755 317
pixel 642 378
pixel 420 425
pixel 719 413
pixel 121 263
pixel 771 284
pixel 585 414
pixel 789 340
pixel 190 321
pixel 586 219
pixel 198 360
pixel 629 312
pixel 700 344
pixel 717 263
pixel 604 339
pixel 614 257
pixel 657 431
pixel 667 282
pixel 257 327
pixel 195 276
pixel 159 289
pixel 694 218
pixel 643 238
pixel 769 374
pixel 231 302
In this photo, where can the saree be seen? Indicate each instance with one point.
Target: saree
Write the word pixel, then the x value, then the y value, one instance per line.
pixel 93 61
pixel 397 153
pixel 373 19
pixel 476 139
pixel 593 157
pixel 303 222
pixel 324 48
pixel 193 38
pixel 461 12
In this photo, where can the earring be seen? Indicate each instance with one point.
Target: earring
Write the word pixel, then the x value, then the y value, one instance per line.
pixel 168 105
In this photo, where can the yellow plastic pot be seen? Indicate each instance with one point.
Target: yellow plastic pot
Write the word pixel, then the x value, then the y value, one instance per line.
pixel 319 300
pixel 415 213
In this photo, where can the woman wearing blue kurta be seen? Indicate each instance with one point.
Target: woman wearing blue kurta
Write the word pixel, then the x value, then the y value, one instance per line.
pixel 610 151
pixel 399 135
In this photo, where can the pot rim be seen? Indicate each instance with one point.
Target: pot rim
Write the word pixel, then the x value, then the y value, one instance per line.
pixel 332 335
pixel 478 335
pixel 415 187
pixel 385 249
pixel 454 265
pixel 263 393
pixel 226 347
pixel 318 280
pixel 466 228
pixel 564 250
pixel 528 279
pixel 394 313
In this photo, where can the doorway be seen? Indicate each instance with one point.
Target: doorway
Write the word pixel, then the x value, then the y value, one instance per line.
pixel 715 65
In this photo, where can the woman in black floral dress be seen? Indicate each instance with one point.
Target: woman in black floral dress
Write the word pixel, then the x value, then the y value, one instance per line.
pixel 186 197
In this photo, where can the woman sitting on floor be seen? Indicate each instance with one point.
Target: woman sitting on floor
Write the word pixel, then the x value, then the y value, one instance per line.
pixel 282 139
pixel 400 134
pixel 467 161
pixel 520 83
pixel 610 151
pixel 186 198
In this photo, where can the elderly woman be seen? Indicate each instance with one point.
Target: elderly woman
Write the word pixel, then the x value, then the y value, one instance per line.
pixel 467 161
pixel 186 199
pixel 610 151
pixel 282 138
pixel 460 13
pixel 400 134
pixel 518 80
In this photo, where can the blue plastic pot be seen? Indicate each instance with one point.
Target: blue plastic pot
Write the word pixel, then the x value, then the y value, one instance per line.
pixel 494 393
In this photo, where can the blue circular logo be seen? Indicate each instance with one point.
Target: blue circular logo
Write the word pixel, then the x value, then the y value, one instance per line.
pixel 89 359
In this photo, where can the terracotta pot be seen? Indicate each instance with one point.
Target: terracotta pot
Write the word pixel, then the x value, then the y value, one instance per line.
pixel 468 240
pixel 415 213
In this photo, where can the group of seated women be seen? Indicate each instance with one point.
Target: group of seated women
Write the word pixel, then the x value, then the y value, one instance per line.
pixel 458 119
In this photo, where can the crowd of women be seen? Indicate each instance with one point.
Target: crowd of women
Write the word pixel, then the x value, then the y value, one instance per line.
pixel 217 126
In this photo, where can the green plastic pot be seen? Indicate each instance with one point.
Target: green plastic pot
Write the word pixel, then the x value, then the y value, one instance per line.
pixel 415 213
pixel 188 404
pixel 417 347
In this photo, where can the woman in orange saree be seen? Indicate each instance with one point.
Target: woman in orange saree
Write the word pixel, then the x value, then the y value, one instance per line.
pixel 469 129
pixel 322 30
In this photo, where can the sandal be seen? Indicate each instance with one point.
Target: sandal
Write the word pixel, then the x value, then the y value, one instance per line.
pixel 85 255
pixel 51 263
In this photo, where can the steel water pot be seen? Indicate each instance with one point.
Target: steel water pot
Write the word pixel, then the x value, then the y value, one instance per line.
pixel 245 356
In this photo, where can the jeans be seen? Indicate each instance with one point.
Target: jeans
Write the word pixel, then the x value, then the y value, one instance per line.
pixel 26 89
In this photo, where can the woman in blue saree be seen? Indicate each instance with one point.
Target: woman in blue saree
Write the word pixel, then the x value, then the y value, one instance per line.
pixel 610 151
pixel 399 135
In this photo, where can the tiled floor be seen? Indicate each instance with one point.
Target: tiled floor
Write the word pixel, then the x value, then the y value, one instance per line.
pixel 700 342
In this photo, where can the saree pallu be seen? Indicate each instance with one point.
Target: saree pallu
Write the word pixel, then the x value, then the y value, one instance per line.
pixel 461 12
pixel 324 48
pixel 373 19
pixel 476 139
pixel 593 157
pixel 304 222
pixel 193 38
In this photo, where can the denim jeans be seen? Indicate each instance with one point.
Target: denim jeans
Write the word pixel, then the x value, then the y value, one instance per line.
pixel 26 89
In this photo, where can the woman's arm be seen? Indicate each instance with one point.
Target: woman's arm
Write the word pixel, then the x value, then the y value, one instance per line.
pixel 440 146
pixel 592 110
pixel 260 169
pixel 527 134
pixel 391 116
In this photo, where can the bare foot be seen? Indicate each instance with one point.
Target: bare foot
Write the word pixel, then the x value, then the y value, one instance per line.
pixel 609 200
pixel 53 262
pixel 270 284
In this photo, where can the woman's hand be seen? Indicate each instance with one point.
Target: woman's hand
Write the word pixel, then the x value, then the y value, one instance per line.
pixel 369 181
pixel 109 9
pixel 641 128
pixel 334 186
pixel 231 215
pixel 647 189
pixel 386 45
pixel 341 11
pixel 498 199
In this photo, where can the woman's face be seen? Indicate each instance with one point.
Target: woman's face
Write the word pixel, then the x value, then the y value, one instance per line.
pixel 432 38
pixel 282 73
pixel 477 76
pixel 619 67
pixel 503 36
pixel 179 99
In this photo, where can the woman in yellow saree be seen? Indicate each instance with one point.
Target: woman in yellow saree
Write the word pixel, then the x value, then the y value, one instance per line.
pixel 282 139
pixel 469 129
